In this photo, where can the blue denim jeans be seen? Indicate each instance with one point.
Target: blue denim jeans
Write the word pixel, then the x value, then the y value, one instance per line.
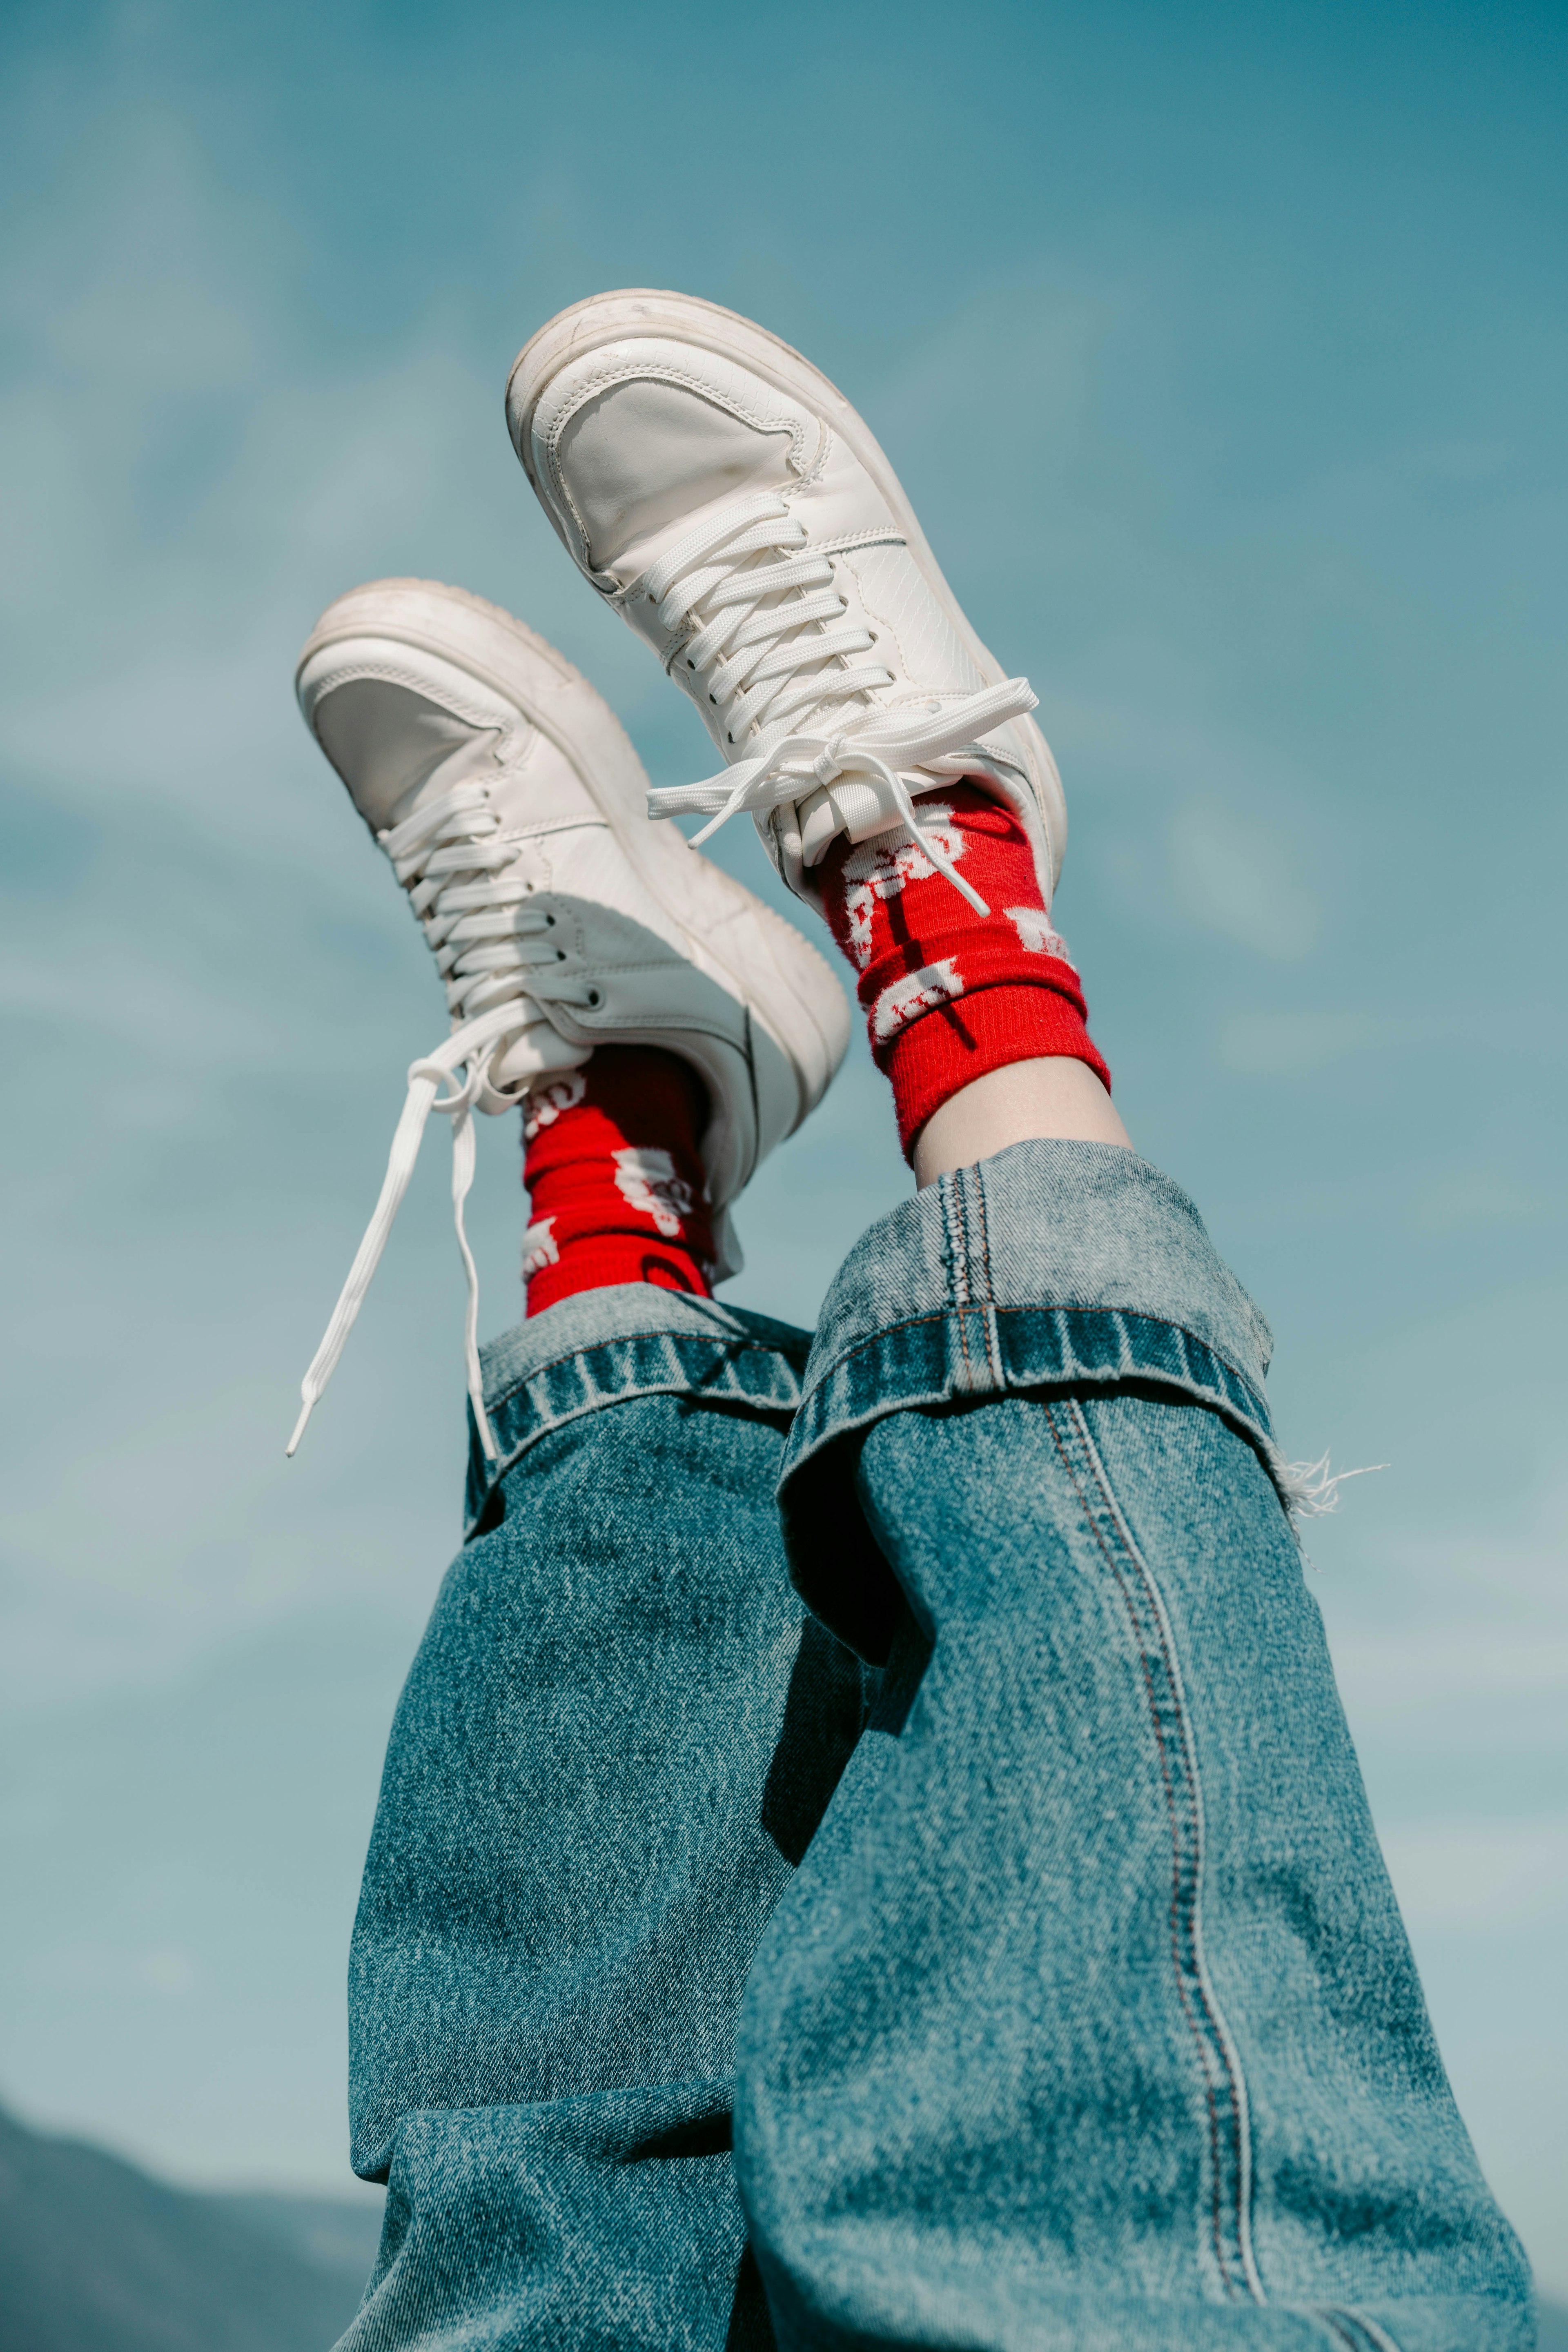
pixel 937 1906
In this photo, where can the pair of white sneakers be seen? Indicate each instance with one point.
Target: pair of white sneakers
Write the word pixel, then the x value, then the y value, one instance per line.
pixel 731 505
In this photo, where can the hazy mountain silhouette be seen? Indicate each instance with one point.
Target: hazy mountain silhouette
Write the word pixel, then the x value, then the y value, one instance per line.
pixel 96 2256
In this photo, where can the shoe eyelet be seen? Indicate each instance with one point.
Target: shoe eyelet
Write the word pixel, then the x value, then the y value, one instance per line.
pixel 560 955
pixel 714 700
pixel 593 997
pixel 549 919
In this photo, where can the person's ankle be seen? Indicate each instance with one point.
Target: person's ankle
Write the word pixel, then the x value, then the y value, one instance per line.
pixel 614 1172
pixel 1020 1103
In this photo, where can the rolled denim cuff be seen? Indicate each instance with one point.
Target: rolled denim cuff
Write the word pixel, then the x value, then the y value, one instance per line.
pixel 1052 1268
pixel 629 1339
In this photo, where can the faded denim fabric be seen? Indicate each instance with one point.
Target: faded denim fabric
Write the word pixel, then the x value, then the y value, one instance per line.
pixel 617 1737
pixel 1053 1268
pixel 1088 2019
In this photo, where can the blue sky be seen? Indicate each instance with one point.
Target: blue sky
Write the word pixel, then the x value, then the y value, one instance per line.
pixel 1222 350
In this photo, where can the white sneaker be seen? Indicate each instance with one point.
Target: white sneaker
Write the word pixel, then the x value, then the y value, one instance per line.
pixel 513 808
pixel 737 512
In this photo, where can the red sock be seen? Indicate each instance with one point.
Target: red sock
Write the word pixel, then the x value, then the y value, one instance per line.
pixel 615 1177
pixel 949 995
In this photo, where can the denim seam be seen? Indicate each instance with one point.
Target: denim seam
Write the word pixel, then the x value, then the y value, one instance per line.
pixel 993 1342
pixel 1353 2330
pixel 957 1269
pixel 1155 1641
pixel 680 1377
pixel 819 1379
pixel 629 1338
pixel 966 1299
pixel 872 1388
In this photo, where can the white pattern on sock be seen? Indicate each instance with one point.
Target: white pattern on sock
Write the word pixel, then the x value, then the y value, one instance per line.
pixel 545 1103
pixel 539 1248
pixel 1036 937
pixel 915 993
pixel 880 868
pixel 646 1181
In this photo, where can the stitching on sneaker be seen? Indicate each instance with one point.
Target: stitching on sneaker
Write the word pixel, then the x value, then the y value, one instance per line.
pixel 630 373
pixel 392 674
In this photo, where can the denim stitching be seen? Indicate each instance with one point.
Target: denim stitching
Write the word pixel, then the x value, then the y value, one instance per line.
pixel 993 1342
pixel 861 1387
pixel 733 1345
pixel 954 1204
pixel 977 1182
pixel 568 1386
pixel 1151 1634
pixel 961 1200
pixel 1248 1403
pixel 1355 2330
pixel 956 1228
pixel 976 1296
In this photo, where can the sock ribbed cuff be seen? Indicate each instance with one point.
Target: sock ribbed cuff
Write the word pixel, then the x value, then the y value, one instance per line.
pixel 951 1045
pixel 594 1261
pixel 615 1177
pixel 950 994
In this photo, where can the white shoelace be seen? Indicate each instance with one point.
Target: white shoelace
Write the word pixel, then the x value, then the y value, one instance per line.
pixel 772 623
pixel 490 948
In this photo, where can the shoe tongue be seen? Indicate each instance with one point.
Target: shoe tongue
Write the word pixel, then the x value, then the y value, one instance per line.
pixel 395 748
pixel 642 460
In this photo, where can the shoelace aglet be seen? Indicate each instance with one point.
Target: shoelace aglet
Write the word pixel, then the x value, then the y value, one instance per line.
pixel 929 843
pixel 425 1080
pixel 944 865
pixel 711 826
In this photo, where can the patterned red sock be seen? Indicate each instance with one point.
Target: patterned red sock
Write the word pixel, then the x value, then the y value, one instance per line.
pixel 615 1177
pixel 949 995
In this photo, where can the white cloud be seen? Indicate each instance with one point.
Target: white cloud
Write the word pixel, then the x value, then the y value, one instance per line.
pixel 1485 1876
pixel 106 1969
pixel 1476 1196
pixel 1493 1653
pixel 1234 873
pixel 1290 1045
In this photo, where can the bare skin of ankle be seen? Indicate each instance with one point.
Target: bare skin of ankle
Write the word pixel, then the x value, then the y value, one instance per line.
pixel 1056 1097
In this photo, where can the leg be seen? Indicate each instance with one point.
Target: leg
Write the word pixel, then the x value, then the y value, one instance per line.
pixel 613 1744
pixel 620 1731
pixel 1089 2019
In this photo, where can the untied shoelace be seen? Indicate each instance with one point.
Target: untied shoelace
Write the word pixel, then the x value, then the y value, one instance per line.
pixel 783 669
pixel 477 919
